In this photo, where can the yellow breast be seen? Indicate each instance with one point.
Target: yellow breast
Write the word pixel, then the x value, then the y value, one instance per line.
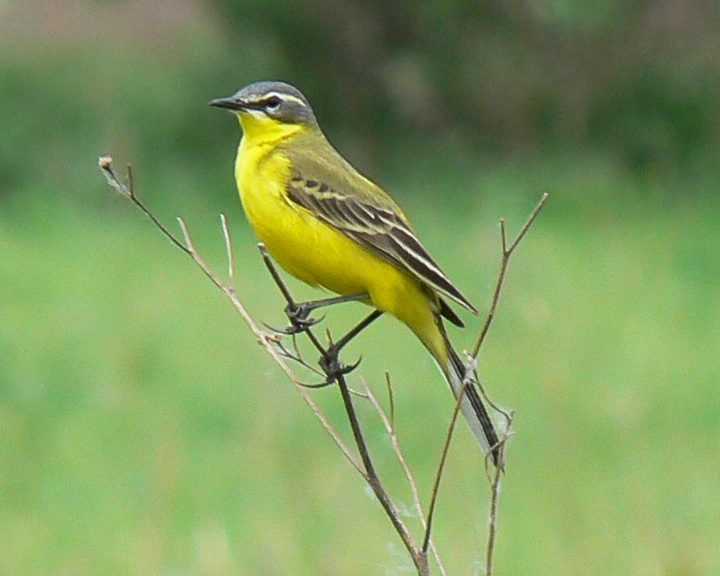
pixel 311 250
pixel 303 245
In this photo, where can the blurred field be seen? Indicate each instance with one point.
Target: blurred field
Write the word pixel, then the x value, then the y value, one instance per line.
pixel 144 432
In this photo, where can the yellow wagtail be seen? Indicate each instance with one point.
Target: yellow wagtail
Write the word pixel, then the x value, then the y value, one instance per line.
pixel 330 226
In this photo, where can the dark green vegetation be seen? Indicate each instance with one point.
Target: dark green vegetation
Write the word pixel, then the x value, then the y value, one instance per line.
pixel 144 432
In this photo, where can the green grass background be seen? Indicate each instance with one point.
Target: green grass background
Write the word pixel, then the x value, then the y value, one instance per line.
pixel 144 431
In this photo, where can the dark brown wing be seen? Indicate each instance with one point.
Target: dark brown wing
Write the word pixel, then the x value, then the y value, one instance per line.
pixel 379 229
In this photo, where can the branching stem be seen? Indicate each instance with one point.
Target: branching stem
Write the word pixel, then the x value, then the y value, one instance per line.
pixel 279 353
pixel 507 252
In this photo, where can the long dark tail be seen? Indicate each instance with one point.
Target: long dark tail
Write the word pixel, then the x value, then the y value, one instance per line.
pixel 471 405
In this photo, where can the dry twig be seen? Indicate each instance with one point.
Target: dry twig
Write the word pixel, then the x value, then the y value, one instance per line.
pixel 279 353
pixel 265 340
pixel 472 379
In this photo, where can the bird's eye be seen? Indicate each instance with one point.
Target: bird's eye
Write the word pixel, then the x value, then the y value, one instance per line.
pixel 272 103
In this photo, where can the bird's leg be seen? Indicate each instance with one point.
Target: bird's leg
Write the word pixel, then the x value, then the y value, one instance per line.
pixel 299 312
pixel 329 361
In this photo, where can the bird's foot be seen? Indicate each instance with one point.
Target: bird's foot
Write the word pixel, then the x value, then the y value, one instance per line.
pixel 299 316
pixel 333 368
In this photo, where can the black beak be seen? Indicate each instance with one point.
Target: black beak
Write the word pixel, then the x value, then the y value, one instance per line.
pixel 229 103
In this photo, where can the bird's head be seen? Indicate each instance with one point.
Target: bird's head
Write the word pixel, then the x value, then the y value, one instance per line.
pixel 269 108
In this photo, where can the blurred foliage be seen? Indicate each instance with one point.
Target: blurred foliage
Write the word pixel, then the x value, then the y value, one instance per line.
pixel 639 79
pixel 635 81
pixel 145 433
pixel 65 108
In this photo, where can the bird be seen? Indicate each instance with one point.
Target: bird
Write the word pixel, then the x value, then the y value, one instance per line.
pixel 331 227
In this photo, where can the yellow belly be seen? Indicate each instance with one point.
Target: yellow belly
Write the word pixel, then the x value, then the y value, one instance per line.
pixel 318 254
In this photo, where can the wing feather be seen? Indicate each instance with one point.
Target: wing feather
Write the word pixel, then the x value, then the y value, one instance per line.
pixel 377 228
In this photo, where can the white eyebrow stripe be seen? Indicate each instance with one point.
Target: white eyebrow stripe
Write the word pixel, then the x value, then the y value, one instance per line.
pixel 285 97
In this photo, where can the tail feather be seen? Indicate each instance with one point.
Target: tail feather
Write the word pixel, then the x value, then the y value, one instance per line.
pixel 472 405
pixel 427 323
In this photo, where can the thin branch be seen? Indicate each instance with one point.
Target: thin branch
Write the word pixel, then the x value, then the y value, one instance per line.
pixel 391 400
pixel 505 260
pixel 280 283
pixel 295 354
pixel 388 421
pixel 266 341
pixel 228 250
pixel 105 163
pixel 468 380
pixel 495 485
pixel 367 469
pixel 418 556
pixel 441 465
pixel 279 353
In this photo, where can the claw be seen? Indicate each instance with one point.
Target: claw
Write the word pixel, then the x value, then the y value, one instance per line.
pixel 296 326
pixel 298 316
pixel 316 386
pixel 347 369
pixel 289 331
pixel 304 323
pixel 274 330
pixel 298 312
pixel 334 368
